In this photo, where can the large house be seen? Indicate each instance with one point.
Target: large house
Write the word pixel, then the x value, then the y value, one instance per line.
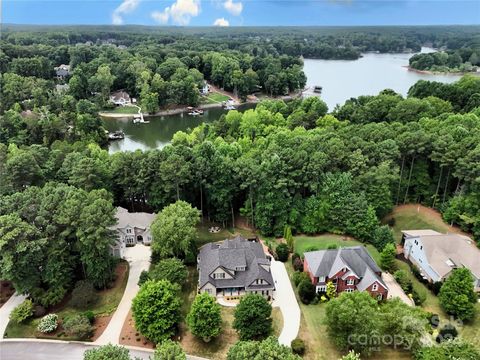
pixel 437 254
pixel 132 228
pixel 62 71
pixel 349 269
pixel 234 267
pixel 120 98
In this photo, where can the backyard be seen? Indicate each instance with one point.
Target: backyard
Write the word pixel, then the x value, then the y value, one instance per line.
pixel 122 110
pixel 215 98
pixel 103 309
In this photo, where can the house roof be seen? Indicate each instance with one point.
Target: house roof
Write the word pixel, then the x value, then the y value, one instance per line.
pixel 119 95
pixel 137 219
pixel 446 251
pixel 230 254
pixel 356 258
pixel 424 232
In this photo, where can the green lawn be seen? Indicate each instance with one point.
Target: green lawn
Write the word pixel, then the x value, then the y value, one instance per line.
pixel 215 98
pixel 322 242
pixel 106 305
pixel 122 110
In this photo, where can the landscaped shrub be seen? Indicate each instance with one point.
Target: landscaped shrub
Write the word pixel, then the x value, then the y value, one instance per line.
pixel 419 297
pixel 312 248
pixel 436 286
pixel 448 332
pixel 48 323
pixel 332 246
pixel 282 252
pixel 298 346
pixel 22 312
pixel 83 295
pixel 90 316
pixel 144 276
pixel 297 277
pixel 78 326
pixel 401 276
pixel 294 257
pixel 306 291
pixel 298 264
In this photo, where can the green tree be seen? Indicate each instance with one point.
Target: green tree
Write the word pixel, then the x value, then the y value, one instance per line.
pixel 452 349
pixel 174 230
pixel 169 350
pixel 156 310
pixel 204 319
pixel 306 291
pixel 387 257
pixel 107 352
pixel 282 252
pixel 289 237
pixel 171 269
pixel 253 317
pixel 457 295
pixel 331 291
pixel 260 350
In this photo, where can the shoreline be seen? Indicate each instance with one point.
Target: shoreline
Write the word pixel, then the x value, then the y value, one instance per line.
pixel 429 72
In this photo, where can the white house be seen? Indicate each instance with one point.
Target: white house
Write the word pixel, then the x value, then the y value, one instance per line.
pixel 120 98
pixel 437 254
pixel 132 228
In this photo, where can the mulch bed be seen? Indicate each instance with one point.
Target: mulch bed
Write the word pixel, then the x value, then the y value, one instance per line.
pixel 6 291
pixel 130 336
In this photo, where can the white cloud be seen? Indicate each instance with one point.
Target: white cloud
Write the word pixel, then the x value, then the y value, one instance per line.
pixel 180 12
pixel 221 22
pixel 127 6
pixel 233 8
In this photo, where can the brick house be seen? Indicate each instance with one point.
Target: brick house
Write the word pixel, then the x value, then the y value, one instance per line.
pixel 349 269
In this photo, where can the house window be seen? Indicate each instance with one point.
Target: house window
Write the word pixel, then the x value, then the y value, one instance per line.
pixel 375 287
pixel 240 268
pixel 351 282
pixel 416 242
pixel 321 279
pixel 219 276
pixel 421 247
pixel 349 290
pixel 321 288
pixel 129 231
pixel 208 291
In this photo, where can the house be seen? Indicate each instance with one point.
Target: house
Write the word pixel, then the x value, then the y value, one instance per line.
pixel 349 269
pixel 205 89
pixel 62 71
pixel 437 254
pixel 131 228
pixel 120 98
pixel 233 268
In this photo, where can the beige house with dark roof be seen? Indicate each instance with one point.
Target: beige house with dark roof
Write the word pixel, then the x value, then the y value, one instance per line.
pixel 437 254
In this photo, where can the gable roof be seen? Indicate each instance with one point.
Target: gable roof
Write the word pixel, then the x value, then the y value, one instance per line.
pixel 423 232
pixel 355 258
pixel 444 249
pixel 137 219
pixel 119 95
pixel 229 255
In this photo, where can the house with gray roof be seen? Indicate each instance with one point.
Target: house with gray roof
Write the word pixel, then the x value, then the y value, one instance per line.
pixel 436 255
pixel 234 267
pixel 132 228
pixel 349 269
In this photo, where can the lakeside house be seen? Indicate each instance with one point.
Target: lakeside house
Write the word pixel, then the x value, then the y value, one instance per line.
pixel 131 228
pixel 62 71
pixel 120 98
pixel 349 269
pixel 436 255
pixel 234 268
pixel 205 89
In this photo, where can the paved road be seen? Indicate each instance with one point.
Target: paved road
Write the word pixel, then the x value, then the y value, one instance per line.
pixel 57 350
pixel 395 290
pixel 286 300
pixel 5 311
pixel 138 257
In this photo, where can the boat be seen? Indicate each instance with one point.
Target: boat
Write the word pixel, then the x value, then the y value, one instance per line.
pixel 229 107
pixel 317 89
pixel 194 113
pixel 116 135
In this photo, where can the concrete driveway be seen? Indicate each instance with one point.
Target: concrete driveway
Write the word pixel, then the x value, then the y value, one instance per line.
pixel 138 257
pixel 395 290
pixel 285 299
pixel 6 309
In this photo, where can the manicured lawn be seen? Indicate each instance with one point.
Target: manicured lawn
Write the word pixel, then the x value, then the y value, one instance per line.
pixel 105 306
pixel 214 98
pixel 322 242
pixel 122 110
pixel 204 236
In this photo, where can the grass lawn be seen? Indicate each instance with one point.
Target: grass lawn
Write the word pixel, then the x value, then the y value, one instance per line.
pixel 215 98
pixel 122 110
pixel 105 306
pixel 321 242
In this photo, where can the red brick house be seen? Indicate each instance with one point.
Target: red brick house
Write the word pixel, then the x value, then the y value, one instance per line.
pixel 349 269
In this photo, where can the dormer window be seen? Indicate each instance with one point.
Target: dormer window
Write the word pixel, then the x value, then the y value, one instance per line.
pixel 375 287
pixel 219 276
pixel 350 281
pixel 129 231
pixel 240 268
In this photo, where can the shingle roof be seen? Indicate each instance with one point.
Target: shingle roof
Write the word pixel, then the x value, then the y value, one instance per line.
pixel 230 254
pixel 137 219
pixel 423 232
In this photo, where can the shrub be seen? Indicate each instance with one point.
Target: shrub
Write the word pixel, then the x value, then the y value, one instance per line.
pixel 107 352
pixel 306 291
pixel 312 248
pixel 448 332
pixel 83 295
pixel 332 246
pixel 436 286
pixel 298 264
pixel 419 297
pixel 169 349
pixel 295 256
pixel 144 277
pixel 22 312
pixel 298 277
pixel 401 276
pixel 298 346
pixel 90 316
pixel 78 326
pixel 171 269
pixel 48 323
pixel 282 252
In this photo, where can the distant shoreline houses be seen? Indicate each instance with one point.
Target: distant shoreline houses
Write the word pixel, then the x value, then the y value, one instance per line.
pixel 436 255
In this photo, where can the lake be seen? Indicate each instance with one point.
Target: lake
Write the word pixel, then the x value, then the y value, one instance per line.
pixel 340 79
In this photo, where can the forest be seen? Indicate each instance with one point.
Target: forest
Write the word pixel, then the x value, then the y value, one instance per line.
pixel 461 60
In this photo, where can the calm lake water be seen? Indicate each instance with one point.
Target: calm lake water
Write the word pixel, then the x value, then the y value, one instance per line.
pixel 340 79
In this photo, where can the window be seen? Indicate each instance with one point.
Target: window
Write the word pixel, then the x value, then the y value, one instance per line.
pixel 321 279
pixel 321 288
pixel 379 297
pixel 208 291
pixel 129 231
pixel 375 287
pixel 351 282
pixel 421 247
pixel 240 268
pixel 349 290
pixel 219 276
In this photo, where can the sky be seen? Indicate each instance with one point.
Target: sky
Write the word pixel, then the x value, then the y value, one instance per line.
pixel 242 12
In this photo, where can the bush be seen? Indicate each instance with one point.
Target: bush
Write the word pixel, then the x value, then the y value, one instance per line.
pixel 22 312
pixel 171 269
pixel 48 323
pixel 90 316
pixel 169 349
pixel 144 277
pixel 448 332
pixel 306 291
pixel 298 346
pixel 419 297
pixel 312 248
pixel 332 246
pixel 107 352
pixel 401 276
pixel 282 252
pixel 83 295
pixel 298 264
pixel 435 287
pixel 78 326
pixel 295 256
pixel 298 277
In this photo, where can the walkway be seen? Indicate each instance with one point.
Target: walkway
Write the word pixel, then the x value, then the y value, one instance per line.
pixel 5 311
pixel 284 297
pixel 138 257
pixel 395 290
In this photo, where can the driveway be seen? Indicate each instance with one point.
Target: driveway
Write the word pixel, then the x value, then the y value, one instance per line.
pixel 138 257
pixel 35 349
pixel 394 289
pixel 5 311
pixel 285 299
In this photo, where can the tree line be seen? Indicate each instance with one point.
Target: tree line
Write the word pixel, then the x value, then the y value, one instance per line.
pixel 460 60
